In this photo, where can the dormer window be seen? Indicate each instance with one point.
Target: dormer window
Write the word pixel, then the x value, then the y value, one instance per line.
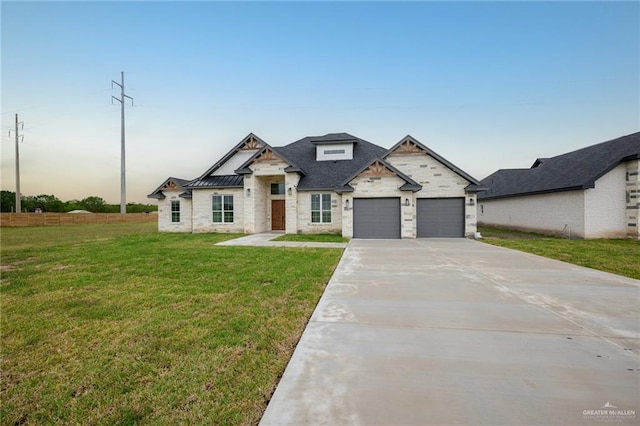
pixel 334 150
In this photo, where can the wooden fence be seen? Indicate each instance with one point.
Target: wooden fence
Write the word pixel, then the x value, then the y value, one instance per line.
pixel 55 219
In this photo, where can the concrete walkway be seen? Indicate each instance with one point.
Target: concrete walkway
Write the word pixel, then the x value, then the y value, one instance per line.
pixel 441 332
pixel 265 239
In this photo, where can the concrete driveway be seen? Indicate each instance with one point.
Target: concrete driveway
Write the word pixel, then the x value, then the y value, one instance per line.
pixel 453 331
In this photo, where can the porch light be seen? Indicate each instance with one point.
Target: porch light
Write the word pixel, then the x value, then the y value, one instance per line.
pixel 346 204
pixel 290 191
pixel 471 202
pixel 248 192
pixel 406 202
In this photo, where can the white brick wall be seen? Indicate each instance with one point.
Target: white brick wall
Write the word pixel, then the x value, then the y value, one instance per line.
pixel 606 206
pixel 164 213
pixel 599 212
pixel 203 211
pixel 558 213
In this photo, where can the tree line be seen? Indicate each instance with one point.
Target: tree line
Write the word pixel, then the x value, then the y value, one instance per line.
pixel 51 203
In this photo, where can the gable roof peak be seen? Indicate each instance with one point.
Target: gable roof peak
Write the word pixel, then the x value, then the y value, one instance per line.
pixel 378 167
pixel 248 143
pixel 170 184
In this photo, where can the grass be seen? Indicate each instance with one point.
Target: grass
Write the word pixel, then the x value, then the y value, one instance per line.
pixel 618 256
pixel 118 324
pixel 317 238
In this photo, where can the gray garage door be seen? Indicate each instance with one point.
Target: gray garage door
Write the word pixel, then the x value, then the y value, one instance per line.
pixel 440 217
pixel 376 217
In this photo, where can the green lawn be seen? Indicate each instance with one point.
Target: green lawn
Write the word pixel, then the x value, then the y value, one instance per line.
pixel 317 238
pixel 118 324
pixel 619 256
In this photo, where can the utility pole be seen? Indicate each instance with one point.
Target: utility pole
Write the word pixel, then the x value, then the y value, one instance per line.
pixel 123 185
pixel 18 138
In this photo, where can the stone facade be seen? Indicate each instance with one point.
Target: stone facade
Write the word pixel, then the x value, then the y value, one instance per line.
pixel 164 213
pixel 305 226
pixel 253 202
pixel 202 202
pixel 438 181
pixel 378 187
pixel 632 198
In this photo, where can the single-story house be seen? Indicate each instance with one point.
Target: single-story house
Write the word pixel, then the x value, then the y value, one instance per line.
pixel 336 183
pixel 589 193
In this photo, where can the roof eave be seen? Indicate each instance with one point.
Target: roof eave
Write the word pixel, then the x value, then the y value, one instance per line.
pixel 294 169
pixel 473 188
pixel 546 191
pixel 411 187
pixel 343 189
pixel 243 171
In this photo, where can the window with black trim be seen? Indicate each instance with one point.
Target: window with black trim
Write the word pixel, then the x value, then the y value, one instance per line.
pixel 175 211
pixel 223 208
pixel 320 208
pixel 277 188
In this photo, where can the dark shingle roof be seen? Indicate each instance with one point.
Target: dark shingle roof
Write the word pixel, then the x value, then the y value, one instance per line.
pixel 575 170
pixel 328 175
pixel 226 181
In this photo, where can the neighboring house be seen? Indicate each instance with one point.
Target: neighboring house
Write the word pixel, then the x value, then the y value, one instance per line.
pixel 589 193
pixel 336 183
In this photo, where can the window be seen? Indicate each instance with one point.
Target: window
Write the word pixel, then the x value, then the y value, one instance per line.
pixel 320 208
pixel 223 208
pixel 175 211
pixel 333 151
pixel 277 188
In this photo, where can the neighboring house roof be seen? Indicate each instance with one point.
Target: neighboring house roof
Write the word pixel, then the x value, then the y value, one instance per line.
pixel 172 184
pixel 328 175
pixel 572 171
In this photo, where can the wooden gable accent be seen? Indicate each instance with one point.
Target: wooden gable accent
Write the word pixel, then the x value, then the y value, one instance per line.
pixel 170 186
pixel 267 155
pixel 378 169
pixel 408 147
pixel 250 143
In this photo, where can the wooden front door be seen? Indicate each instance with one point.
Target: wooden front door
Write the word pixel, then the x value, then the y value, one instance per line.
pixel 277 215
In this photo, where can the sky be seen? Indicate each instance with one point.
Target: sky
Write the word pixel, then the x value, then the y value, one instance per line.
pixel 487 85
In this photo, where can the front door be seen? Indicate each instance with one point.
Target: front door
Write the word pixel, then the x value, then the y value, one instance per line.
pixel 277 215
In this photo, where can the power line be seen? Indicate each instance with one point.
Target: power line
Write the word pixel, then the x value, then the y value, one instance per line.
pixel 123 185
pixel 18 138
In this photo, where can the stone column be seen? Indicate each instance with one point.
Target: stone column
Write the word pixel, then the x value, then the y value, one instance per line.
pixel 633 198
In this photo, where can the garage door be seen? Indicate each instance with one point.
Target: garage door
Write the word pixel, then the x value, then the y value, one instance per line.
pixel 440 217
pixel 376 217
